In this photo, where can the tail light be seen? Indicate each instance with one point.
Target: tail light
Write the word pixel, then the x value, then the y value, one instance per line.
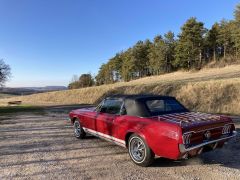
pixel 226 129
pixel 187 138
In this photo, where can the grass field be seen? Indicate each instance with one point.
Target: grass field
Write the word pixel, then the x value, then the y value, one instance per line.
pixel 22 108
pixel 3 95
pixel 209 90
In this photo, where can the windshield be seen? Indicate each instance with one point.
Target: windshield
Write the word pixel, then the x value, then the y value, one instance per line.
pixel 164 106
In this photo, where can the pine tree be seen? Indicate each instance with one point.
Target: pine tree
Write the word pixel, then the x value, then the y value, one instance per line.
pixel 128 65
pixel 139 57
pixel 170 44
pixel 236 30
pixel 190 45
pixel 236 40
pixel 224 37
pixel 157 60
pixel 237 14
pixel 212 40
pixel 105 75
pixel 116 65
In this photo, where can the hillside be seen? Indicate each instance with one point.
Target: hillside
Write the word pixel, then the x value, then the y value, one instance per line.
pixel 208 90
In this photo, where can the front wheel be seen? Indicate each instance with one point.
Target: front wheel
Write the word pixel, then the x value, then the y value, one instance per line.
pixel 78 130
pixel 139 151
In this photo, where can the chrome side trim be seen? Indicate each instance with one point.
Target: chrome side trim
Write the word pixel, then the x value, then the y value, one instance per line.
pixel 106 137
pixel 183 149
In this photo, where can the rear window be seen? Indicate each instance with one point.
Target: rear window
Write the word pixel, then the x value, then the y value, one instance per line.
pixel 163 106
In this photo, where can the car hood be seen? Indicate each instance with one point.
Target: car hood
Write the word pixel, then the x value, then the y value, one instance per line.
pixel 193 118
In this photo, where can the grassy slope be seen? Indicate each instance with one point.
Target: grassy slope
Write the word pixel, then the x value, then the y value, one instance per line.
pixel 208 90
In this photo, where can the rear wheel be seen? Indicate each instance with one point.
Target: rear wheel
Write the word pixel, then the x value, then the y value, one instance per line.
pixel 78 130
pixel 139 151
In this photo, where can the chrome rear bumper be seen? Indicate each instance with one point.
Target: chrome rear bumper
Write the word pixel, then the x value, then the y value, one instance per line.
pixel 183 149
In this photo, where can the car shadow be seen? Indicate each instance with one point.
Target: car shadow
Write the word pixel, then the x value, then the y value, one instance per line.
pixel 88 136
pixel 164 162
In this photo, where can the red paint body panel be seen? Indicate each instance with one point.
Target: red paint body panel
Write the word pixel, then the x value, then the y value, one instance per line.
pixel 163 134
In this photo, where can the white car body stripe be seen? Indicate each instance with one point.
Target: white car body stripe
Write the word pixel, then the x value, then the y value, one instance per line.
pixel 105 136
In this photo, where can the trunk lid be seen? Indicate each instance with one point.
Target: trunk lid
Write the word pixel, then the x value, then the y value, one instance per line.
pixel 193 119
pixel 200 125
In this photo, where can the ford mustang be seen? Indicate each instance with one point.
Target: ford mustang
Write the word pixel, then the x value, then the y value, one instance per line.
pixel 152 125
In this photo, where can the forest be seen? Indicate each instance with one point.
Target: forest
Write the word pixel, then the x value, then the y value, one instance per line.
pixel 192 49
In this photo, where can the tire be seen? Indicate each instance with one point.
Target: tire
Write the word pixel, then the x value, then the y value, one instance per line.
pixel 139 151
pixel 79 133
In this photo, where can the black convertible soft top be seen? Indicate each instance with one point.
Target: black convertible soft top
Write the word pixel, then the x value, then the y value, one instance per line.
pixel 135 105
pixel 139 96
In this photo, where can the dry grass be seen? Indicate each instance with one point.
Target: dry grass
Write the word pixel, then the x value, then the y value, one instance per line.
pixel 208 90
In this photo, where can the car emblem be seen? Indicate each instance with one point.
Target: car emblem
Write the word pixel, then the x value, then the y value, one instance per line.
pixel 207 134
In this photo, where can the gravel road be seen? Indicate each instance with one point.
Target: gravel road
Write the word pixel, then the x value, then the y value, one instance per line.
pixel 42 146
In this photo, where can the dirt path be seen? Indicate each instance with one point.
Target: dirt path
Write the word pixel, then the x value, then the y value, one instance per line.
pixel 34 146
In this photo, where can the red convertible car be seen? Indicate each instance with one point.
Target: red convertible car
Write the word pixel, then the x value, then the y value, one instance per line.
pixel 149 125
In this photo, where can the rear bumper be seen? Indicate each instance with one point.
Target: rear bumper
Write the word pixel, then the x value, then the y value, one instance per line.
pixel 183 149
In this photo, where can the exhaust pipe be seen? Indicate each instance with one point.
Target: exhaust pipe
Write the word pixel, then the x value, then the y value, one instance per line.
pixel 215 146
pixel 185 156
pixel 200 151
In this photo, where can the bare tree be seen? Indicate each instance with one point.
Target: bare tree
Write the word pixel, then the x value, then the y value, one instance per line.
pixel 5 72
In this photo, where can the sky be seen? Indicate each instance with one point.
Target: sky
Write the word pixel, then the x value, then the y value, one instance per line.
pixel 46 42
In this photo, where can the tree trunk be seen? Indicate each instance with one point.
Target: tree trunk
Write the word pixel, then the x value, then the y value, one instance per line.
pixel 236 53
pixel 224 51
pixel 200 59
pixel 166 64
pixel 214 53
pixel 188 61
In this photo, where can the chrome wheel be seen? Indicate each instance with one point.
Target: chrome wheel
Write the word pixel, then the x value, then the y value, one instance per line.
pixel 137 149
pixel 77 129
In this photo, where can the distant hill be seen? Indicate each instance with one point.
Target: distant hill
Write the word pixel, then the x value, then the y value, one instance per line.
pixel 30 90
pixel 47 88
